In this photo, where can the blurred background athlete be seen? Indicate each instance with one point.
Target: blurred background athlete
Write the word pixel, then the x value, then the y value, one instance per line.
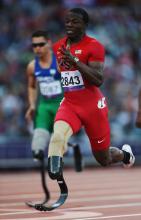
pixel 81 62
pixel 44 97
pixel 44 91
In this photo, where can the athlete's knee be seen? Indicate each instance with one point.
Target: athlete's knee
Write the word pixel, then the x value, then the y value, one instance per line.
pixel 60 136
pixel 63 127
pixel 57 137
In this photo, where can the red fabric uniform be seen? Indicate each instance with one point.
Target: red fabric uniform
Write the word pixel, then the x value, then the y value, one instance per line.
pixel 84 104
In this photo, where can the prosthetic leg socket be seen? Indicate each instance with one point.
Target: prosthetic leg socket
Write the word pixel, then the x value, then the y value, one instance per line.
pixel 55 167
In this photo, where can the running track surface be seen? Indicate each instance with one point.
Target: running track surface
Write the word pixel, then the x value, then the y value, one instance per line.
pixel 96 193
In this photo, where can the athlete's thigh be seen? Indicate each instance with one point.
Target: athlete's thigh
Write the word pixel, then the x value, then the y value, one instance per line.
pixel 43 117
pixel 98 130
pixel 68 114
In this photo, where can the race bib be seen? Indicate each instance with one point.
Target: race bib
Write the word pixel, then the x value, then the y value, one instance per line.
pixel 50 89
pixel 71 80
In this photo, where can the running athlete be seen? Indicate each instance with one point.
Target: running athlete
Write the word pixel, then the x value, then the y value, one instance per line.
pixel 81 62
pixel 44 91
pixel 138 118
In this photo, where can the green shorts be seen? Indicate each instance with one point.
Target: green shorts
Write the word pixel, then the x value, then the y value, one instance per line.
pixel 45 113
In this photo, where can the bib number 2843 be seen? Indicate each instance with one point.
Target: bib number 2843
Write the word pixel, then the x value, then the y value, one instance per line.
pixel 71 80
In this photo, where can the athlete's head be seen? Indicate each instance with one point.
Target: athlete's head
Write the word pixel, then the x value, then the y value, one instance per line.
pixel 40 43
pixel 76 21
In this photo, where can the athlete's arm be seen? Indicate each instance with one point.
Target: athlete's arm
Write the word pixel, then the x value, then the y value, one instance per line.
pixel 93 71
pixel 31 90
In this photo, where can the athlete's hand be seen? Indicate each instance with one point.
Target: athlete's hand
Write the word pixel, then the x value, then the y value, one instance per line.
pixel 30 114
pixel 138 120
pixel 66 58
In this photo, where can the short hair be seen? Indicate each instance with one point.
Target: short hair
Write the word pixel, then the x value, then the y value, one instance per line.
pixel 40 33
pixel 82 12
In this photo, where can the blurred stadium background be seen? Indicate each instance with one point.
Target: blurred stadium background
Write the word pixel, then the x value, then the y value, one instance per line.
pixel 117 24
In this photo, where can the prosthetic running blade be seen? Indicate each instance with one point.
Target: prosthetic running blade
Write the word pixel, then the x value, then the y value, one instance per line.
pixel 45 189
pixel 63 196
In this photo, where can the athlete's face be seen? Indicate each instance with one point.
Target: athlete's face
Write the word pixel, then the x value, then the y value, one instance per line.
pixel 74 24
pixel 40 46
